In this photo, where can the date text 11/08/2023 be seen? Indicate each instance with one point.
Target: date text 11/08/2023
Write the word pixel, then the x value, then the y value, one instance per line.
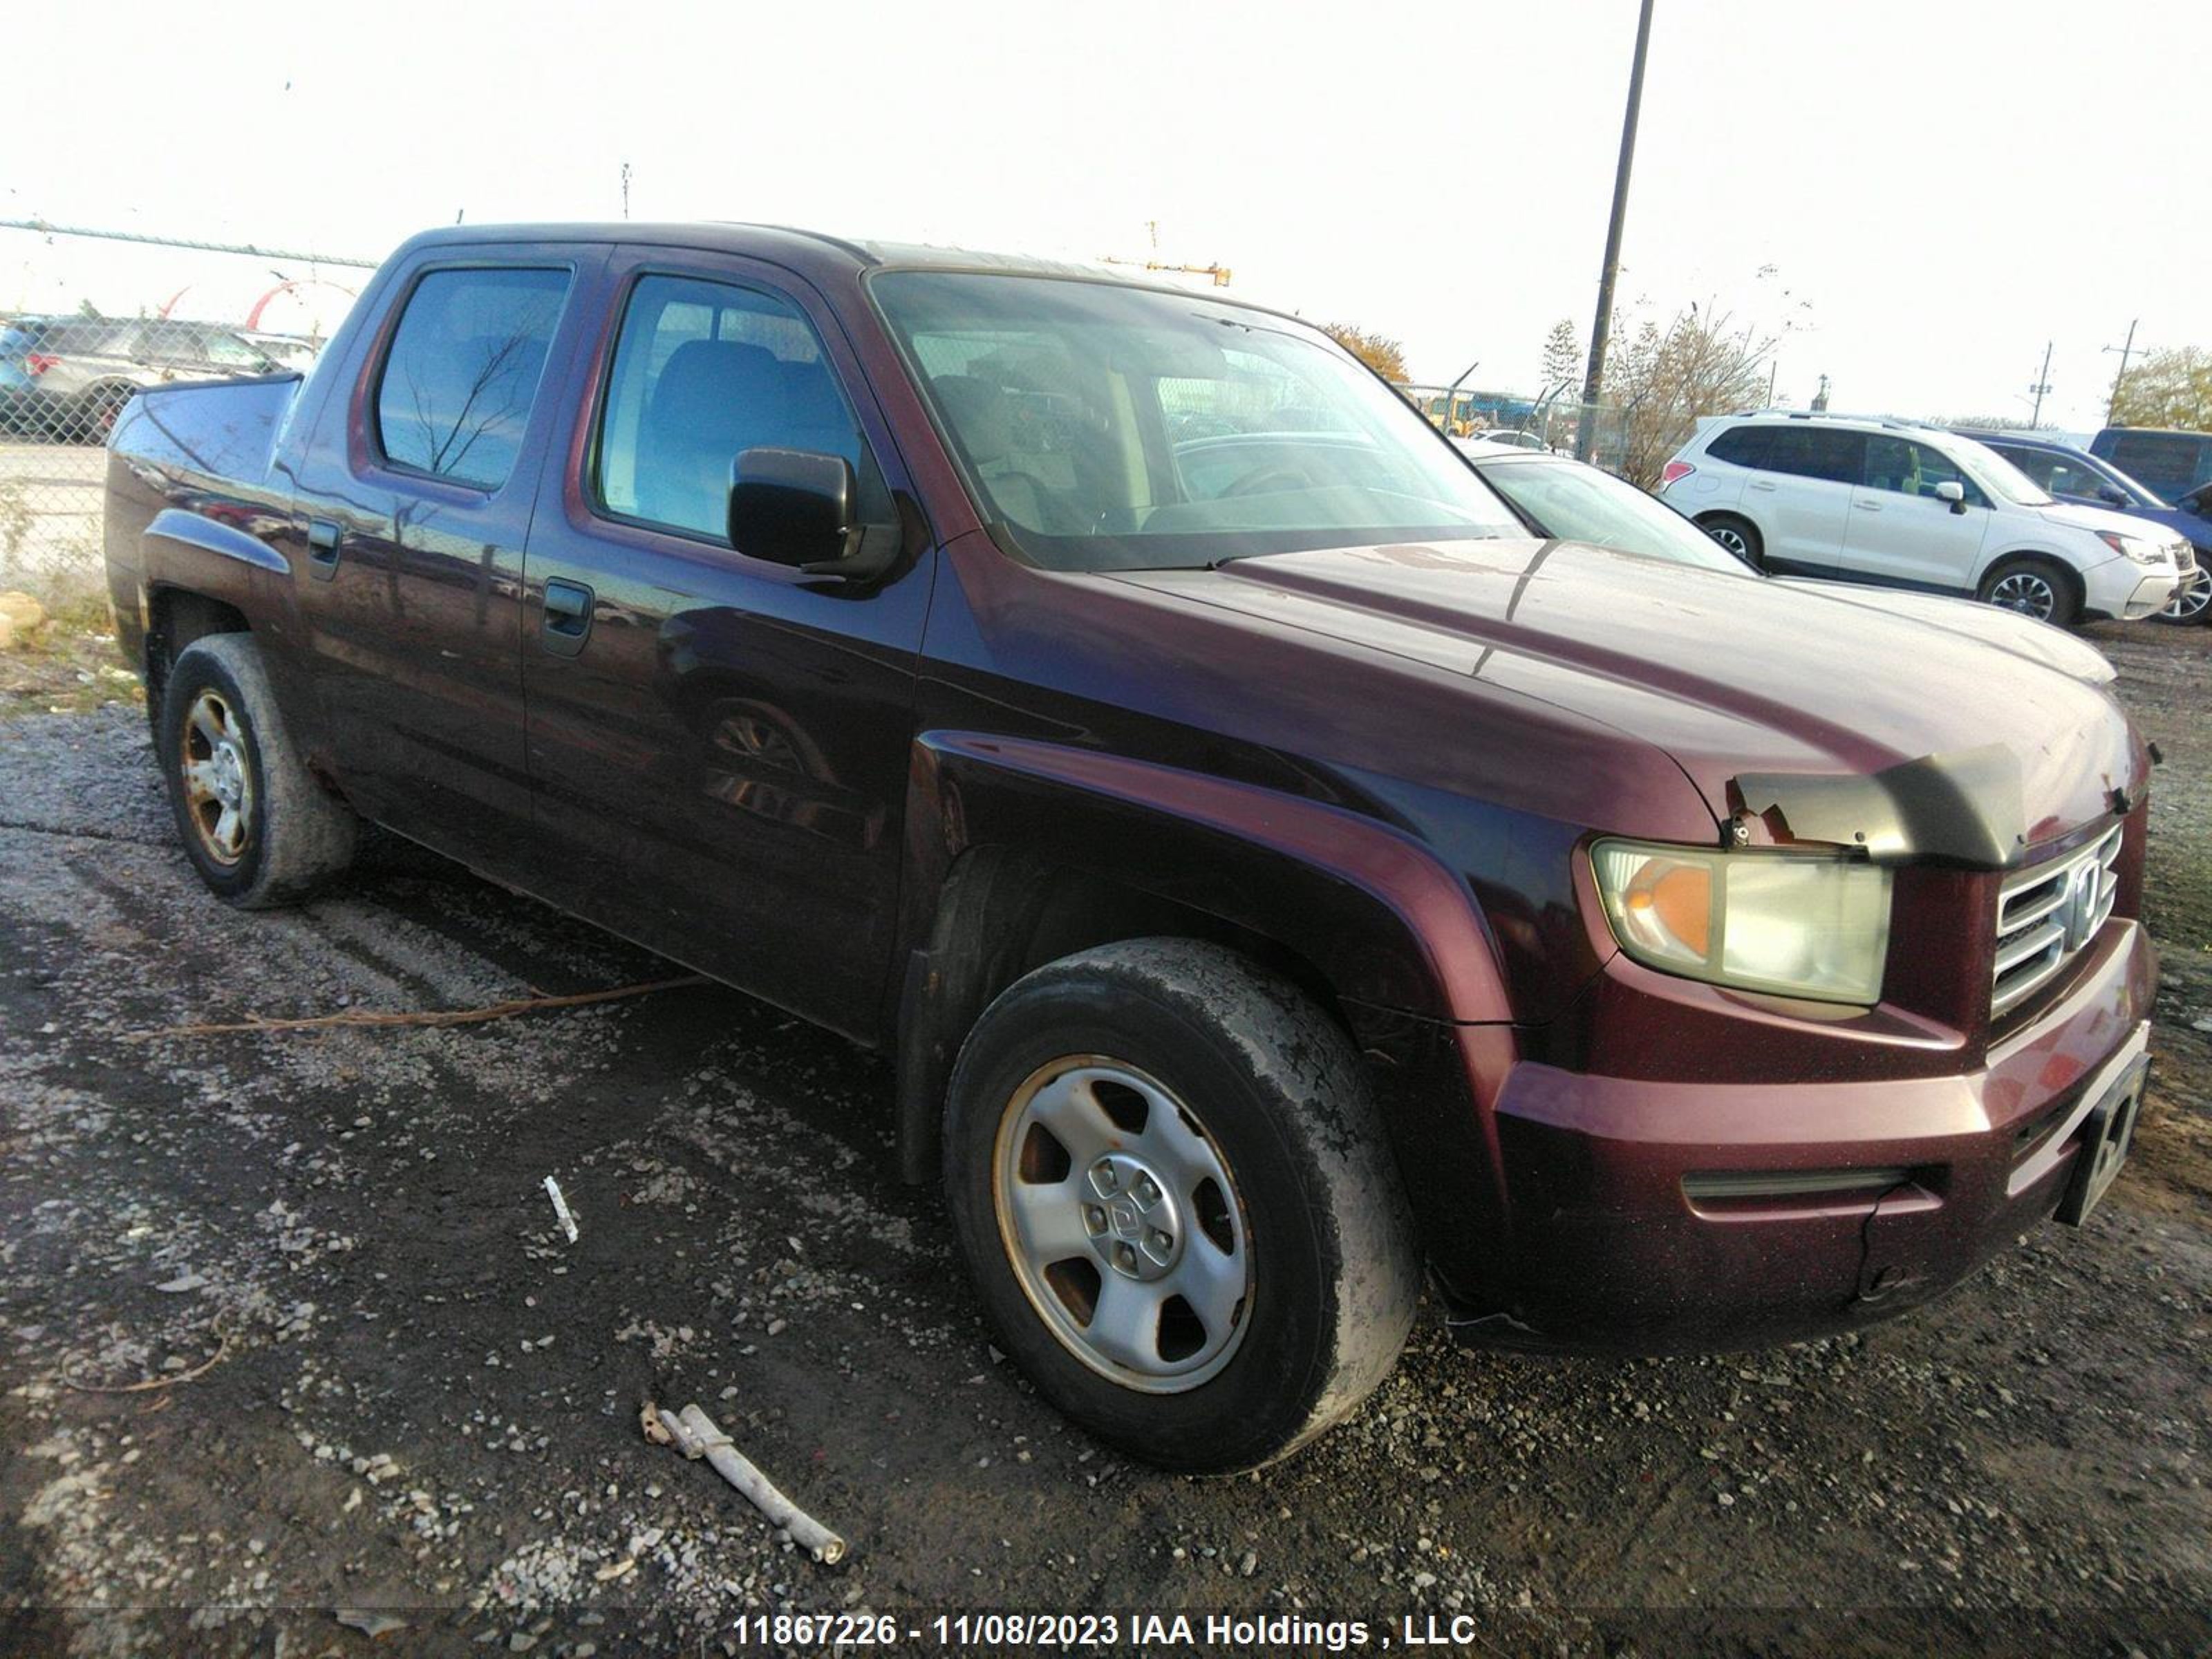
pixel 788 1632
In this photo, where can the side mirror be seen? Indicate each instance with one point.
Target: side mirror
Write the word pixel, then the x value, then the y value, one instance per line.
pixel 792 506
pixel 1953 491
pixel 2111 496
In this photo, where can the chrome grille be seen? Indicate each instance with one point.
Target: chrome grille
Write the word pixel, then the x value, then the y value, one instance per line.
pixel 2047 914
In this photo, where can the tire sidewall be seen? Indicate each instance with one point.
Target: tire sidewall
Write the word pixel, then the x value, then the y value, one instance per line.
pixel 1259 1402
pixel 1754 545
pixel 194 671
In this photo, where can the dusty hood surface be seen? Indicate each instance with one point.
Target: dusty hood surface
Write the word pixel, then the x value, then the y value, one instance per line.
pixel 1725 675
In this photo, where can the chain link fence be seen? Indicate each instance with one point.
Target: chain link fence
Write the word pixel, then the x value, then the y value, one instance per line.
pixel 88 320
pixel 1547 420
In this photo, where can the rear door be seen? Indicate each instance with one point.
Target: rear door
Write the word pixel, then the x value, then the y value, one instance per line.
pixel 1801 497
pixel 1901 531
pixel 414 501
pixel 720 744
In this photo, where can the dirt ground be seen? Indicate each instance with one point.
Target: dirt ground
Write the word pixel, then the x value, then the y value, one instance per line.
pixel 397 1399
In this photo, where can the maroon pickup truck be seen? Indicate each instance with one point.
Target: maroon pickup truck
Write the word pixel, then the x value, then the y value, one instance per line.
pixel 1280 878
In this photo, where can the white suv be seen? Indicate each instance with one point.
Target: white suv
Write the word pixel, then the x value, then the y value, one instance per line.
pixel 1906 505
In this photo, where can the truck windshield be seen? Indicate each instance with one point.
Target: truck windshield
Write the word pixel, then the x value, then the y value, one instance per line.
pixel 1110 428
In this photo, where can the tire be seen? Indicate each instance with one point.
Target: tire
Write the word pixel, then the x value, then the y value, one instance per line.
pixel 2191 604
pixel 1738 535
pixel 1243 1156
pixel 2034 587
pixel 257 824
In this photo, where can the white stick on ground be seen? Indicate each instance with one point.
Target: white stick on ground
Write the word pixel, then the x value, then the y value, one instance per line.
pixel 561 1208
pixel 695 1434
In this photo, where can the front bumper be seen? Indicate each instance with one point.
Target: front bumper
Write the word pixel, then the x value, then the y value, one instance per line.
pixel 1680 1216
pixel 2129 592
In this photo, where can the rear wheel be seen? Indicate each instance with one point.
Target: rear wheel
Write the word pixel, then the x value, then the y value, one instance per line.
pixel 1176 1203
pixel 2192 601
pixel 1740 536
pixel 2034 587
pixel 257 824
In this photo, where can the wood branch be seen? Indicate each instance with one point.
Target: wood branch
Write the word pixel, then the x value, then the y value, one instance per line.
pixel 152 1382
pixel 694 1433
pixel 371 1018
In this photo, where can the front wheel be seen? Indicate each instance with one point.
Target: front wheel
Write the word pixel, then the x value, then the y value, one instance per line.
pixel 1176 1201
pixel 2190 601
pixel 2033 588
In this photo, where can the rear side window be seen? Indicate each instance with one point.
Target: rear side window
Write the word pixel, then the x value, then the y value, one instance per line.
pixel 1816 452
pixel 2056 474
pixel 703 372
pixel 462 372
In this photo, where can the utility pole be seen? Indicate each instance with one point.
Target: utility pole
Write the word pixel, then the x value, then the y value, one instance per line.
pixel 1594 383
pixel 2126 352
pixel 2042 384
pixel 625 189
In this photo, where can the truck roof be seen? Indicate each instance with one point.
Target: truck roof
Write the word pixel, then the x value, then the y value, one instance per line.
pixel 801 249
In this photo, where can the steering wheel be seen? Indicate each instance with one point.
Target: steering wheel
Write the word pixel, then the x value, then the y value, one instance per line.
pixel 1263 480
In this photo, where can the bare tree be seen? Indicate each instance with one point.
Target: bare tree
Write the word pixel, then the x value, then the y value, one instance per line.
pixel 1563 356
pixel 1664 379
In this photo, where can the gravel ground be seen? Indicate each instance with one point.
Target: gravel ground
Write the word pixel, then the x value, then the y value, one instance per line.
pixel 395 1392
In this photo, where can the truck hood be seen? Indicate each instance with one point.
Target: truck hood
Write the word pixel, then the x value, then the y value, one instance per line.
pixel 2024 636
pixel 1729 677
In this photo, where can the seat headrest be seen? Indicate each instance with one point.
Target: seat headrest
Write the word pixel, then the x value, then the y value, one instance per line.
pixel 718 391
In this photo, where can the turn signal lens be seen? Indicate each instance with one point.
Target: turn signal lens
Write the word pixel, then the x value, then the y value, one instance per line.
pixel 1796 926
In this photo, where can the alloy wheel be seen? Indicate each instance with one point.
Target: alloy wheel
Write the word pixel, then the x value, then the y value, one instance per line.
pixel 1730 537
pixel 2027 593
pixel 2188 605
pixel 218 782
pixel 1123 1224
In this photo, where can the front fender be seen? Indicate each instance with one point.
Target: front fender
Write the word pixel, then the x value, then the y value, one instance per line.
pixel 1386 922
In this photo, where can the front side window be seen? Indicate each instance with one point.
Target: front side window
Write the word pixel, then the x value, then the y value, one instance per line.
pixel 459 381
pixel 702 372
pixel 1906 468
pixel 1105 427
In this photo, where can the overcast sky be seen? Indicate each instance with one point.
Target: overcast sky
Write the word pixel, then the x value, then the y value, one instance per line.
pixel 1931 191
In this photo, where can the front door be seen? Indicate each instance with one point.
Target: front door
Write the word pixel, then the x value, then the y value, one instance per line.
pixel 414 504
pixel 1901 531
pixel 719 745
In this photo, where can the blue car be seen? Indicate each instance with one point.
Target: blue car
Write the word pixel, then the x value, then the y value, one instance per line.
pixel 2069 474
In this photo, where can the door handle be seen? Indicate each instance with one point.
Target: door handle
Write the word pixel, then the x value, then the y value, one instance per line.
pixel 1761 483
pixel 324 539
pixel 567 620
pixel 1868 506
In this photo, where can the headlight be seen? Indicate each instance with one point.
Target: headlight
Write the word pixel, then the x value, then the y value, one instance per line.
pixel 2140 549
pixel 1795 925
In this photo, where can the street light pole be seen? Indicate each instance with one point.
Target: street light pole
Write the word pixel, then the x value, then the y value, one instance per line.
pixel 1586 435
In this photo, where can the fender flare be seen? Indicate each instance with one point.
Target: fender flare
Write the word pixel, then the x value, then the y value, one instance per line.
pixel 1375 913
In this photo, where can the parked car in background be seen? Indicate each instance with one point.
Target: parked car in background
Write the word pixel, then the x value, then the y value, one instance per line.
pixel 1872 500
pixel 2075 475
pixel 2174 464
pixel 65 378
pixel 1510 438
pixel 1559 497
pixel 1283 885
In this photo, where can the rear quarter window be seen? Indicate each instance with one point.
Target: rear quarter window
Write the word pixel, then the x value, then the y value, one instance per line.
pixel 1743 445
